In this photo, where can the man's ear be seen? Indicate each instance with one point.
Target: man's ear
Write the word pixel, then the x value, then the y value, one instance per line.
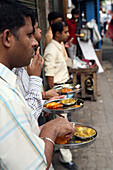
pixel 57 33
pixel 7 38
pixel 51 22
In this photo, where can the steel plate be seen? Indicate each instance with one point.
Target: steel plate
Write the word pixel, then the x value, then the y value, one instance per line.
pixel 64 109
pixel 70 86
pixel 72 144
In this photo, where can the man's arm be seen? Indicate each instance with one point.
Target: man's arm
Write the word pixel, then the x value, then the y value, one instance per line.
pixel 50 94
pixel 50 81
pixel 50 56
pixel 52 129
pixel 34 96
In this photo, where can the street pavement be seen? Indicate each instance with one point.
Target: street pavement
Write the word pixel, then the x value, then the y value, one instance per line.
pixel 99 114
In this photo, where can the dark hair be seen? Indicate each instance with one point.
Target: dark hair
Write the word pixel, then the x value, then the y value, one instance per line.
pixel 12 14
pixel 54 15
pixel 74 11
pixel 58 26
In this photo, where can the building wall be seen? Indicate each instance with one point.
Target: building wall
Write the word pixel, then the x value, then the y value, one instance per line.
pixel 42 12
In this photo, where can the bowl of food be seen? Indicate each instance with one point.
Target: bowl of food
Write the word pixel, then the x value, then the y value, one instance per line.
pixel 83 132
pixel 68 101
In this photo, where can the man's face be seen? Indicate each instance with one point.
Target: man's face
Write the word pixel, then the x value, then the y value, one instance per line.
pixel 37 33
pixel 65 34
pixel 75 16
pixel 23 46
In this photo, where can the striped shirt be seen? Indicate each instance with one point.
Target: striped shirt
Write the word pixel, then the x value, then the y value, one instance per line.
pixel 30 87
pixel 20 146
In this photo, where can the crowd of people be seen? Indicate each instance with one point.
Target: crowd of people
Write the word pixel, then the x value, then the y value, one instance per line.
pixel 25 141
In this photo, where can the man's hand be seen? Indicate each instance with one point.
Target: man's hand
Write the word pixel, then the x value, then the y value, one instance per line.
pixel 51 93
pixel 57 97
pixel 36 66
pixel 68 44
pixel 57 127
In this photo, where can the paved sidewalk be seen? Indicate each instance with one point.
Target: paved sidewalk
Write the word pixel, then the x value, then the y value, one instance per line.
pixel 99 114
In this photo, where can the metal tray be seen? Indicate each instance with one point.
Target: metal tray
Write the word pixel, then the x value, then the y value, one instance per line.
pixel 72 144
pixel 70 86
pixel 64 109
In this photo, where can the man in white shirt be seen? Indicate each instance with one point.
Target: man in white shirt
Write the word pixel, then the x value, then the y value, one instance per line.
pixel 55 66
pixel 22 144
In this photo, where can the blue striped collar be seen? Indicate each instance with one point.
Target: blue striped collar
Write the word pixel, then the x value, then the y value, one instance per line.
pixel 7 75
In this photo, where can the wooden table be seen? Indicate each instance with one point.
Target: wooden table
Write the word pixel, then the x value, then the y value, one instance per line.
pixel 83 73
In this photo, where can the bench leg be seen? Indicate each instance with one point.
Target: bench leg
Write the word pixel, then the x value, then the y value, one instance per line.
pixel 95 86
pixel 74 78
pixel 83 84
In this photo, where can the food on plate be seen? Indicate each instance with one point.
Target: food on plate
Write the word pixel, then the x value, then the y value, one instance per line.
pixel 84 132
pixel 61 140
pixel 68 100
pixel 82 35
pixel 53 105
pixel 78 141
pixel 65 90
pixel 78 105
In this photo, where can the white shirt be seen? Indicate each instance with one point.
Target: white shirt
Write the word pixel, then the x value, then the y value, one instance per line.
pixel 30 87
pixel 20 146
pixel 55 64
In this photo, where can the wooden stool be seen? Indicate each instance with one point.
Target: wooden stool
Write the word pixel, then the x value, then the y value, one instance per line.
pixel 83 73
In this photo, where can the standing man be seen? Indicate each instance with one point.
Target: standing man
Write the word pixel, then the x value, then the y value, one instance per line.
pixel 73 30
pixel 54 17
pixel 22 144
pixel 56 72
pixel 55 66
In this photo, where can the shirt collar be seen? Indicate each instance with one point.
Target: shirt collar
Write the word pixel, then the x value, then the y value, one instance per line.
pixel 59 46
pixel 7 75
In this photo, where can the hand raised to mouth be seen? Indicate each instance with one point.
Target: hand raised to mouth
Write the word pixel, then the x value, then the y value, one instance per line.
pixel 36 66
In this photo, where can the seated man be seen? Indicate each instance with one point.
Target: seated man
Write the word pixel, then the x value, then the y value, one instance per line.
pixel 30 83
pixel 22 144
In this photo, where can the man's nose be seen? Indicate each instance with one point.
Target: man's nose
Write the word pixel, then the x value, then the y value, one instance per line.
pixel 34 42
pixel 68 34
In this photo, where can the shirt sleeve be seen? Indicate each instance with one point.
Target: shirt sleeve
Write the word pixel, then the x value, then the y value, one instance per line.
pixel 50 58
pixel 20 147
pixel 34 96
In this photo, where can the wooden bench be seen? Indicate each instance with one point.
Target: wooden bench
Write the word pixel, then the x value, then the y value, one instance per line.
pixel 83 73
